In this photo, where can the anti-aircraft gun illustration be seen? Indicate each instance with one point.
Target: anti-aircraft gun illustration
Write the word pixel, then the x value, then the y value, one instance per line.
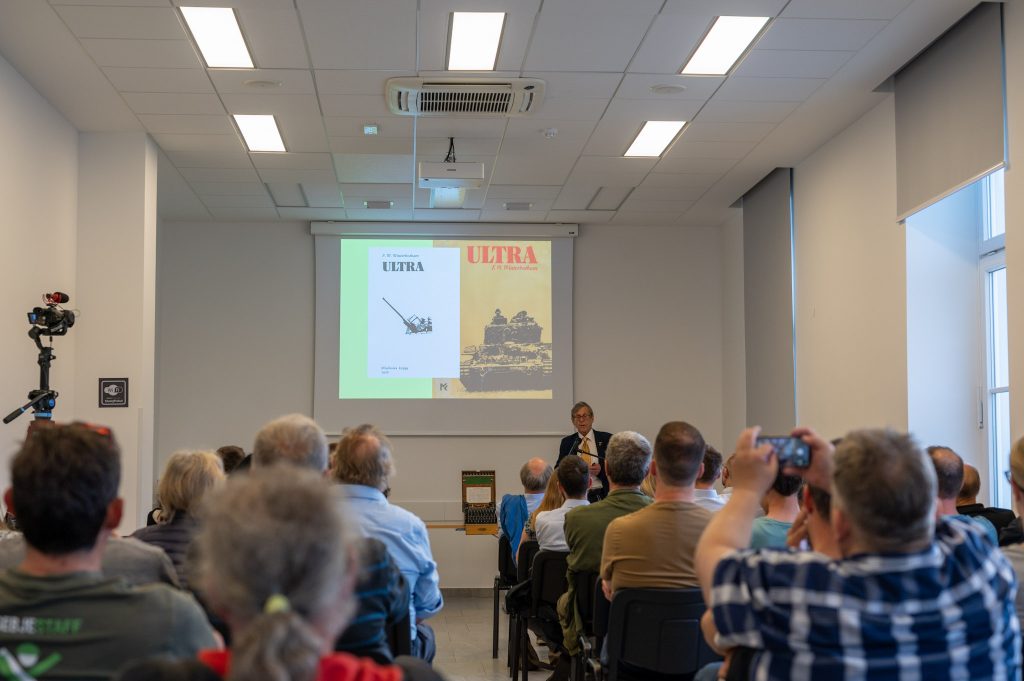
pixel 413 324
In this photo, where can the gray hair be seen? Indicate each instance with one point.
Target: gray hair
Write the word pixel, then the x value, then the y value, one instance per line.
pixel 277 532
pixel 886 486
pixel 535 483
pixel 294 438
pixel 628 458
pixel 363 457
pixel 580 405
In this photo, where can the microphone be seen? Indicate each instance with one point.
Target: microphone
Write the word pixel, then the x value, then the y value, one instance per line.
pixel 57 297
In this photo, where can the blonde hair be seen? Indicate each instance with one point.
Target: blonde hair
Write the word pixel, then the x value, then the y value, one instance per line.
pixel 1017 462
pixel 275 552
pixel 553 499
pixel 188 476
pixel 649 485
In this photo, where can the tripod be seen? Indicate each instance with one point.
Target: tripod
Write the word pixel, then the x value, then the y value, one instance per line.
pixel 43 399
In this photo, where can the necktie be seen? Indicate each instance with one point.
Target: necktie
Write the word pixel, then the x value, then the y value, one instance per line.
pixel 585 451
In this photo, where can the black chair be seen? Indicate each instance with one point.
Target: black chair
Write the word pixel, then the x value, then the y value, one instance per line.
pixel 400 637
pixel 503 581
pixel 547 583
pixel 656 632
pixel 527 550
pixel 584 584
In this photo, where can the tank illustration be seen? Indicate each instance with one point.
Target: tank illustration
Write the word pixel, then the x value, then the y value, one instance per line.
pixel 512 357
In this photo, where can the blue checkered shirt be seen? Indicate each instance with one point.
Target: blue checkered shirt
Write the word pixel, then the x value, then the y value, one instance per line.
pixel 946 612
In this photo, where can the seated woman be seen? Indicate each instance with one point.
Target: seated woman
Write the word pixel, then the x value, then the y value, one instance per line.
pixel 552 499
pixel 274 560
pixel 189 475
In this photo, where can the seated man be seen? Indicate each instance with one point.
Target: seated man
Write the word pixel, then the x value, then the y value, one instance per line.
pixel 949 473
pixel 59 616
pixel 364 467
pixel 781 508
pixel 912 596
pixel 654 547
pixel 704 493
pixel 967 501
pixel 573 481
pixel 516 508
pixel 381 591
pixel 627 462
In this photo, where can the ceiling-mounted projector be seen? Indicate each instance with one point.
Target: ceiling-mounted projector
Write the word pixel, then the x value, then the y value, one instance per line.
pixel 436 175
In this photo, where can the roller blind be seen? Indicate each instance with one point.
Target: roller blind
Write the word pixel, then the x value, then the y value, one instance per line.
pixel 949 111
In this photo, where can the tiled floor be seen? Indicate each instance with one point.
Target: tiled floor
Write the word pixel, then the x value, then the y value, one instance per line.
pixel 463 630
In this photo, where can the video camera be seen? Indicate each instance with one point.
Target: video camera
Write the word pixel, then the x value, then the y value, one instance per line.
pixel 52 320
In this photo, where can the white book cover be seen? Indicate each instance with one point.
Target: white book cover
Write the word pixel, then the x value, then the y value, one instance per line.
pixel 413 313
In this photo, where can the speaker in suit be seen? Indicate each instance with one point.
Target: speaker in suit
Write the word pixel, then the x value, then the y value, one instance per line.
pixel 597 441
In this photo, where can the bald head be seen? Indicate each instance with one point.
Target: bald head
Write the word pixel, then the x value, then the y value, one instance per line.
pixel 363 457
pixel 971 487
pixel 534 475
pixel 949 471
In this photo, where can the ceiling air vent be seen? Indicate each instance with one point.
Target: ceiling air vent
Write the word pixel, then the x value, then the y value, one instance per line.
pixel 464 97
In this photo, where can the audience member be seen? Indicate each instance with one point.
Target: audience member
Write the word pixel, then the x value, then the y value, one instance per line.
pixel 812 528
pixel 1015 552
pixel 704 493
pixel 230 457
pixel 627 462
pixel 59 615
pixel 553 498
pixel 648 486
pixel 381 590
pixel 967 501
pixel 275 560
pixel 781 506
pixel 949 473
pixel 654 547
pixel 573 482
pixel 515 509
pixel 188 476
pixel 364 467
pixel 912 596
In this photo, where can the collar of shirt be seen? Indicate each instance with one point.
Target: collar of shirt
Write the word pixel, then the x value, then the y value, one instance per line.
pixel 705 493
pixel 364 492
pixel 572 503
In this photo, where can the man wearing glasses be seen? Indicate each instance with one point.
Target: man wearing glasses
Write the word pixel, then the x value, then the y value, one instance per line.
pixel 588 444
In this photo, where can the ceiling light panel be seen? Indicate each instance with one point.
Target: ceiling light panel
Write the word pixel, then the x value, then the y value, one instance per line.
pixel 474 40
pixel 260 132
pixel 723 45
pixel 654 137
pixel 218 36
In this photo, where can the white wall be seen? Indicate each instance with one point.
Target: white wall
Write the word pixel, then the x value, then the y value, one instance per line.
pixel 851 317
pixel 1013 27
pixel 38 190
pixel 235 330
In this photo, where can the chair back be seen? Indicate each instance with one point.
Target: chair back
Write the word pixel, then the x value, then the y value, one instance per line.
pixel 527 550
pixel 400 637
pixel 506 562
pixel 548 581
pixel 584 584
pixel 657 630
pixel 602 609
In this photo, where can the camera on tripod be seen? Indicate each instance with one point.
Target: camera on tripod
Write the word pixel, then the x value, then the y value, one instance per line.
pixel 52 320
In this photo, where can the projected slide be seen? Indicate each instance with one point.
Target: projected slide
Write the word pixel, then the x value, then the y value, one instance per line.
pixel 425 319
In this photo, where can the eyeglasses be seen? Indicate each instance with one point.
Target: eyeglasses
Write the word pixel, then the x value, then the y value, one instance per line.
pixel 582 417
pixel 1009 479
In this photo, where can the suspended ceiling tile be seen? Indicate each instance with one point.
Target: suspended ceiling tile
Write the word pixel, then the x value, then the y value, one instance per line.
pixel 376 191
pixel 638 86
pixel 528 128
pixel 715 131
pixel 187 124
pixel 699 166
pixel 716 149
pixel 294 161
pixel 460 127
pixel 263 201
pixel 577 84
pixel 522 193
pixel 220 174
pixel 513 215
pixel 293 213
pixel 172 54
pixel 672 38
pixel 379 169
pixel 792 63
pixel 217 143
pixel 741 111
pixel 230 188
pixel 515 167
pixel 679 181
pixel 580 216
pixel 274 36
pixel 234 159
pixel 392 215
pixel 820 34
pixel 844 9
pixel 748 8
pixel 355 82
pixel 112 3
pixel 588 35
pixel 370 106
pixel 302 133
pixel 371 145
pixel 128 79
pixel 261 81
pixel 297 176
pixel 639 110
pixel 145 23
pixel 435 20
pixel 464 147
pixel 360 35
pixel 607 171
pixel 537 205
pixel 278 105
pixel 391 127
pixel 641 204
pixel 666 193
pixel 322 194
pixel 643 218
pixel 570 108
pixel 769 89
pixel 177 103
pixel 446 215
pixel 244 213
pixel 287 194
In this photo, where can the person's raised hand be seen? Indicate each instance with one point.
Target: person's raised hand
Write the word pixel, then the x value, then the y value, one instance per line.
pixel 753 468
pixel 797 532
pixel 819 473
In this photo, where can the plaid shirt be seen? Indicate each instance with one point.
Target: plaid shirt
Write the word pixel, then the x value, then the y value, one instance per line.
pixel 946 612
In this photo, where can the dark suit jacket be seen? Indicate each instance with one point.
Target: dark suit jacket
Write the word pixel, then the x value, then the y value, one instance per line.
pixel 999 517
pixel 601 438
